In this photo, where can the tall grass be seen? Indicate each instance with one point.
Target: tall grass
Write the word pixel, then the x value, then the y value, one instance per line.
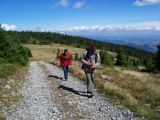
pixel 7 70
pixel 142 97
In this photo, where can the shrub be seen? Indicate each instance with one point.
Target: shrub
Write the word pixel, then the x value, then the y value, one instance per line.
pixel 28 51
pixel 158 58
pixel 12 51
pixel 76 56
pixel 7 69
pixel 58 53
pixel 106 58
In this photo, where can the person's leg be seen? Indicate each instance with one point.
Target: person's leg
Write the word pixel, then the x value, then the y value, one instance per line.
pixel 92 79
pixel 67 68
pixel 65 72
pixel 90 85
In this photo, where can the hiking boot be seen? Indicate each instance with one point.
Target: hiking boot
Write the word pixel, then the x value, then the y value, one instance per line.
pixel 64 79
pixel 90 94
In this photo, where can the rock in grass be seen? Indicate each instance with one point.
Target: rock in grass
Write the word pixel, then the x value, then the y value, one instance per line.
pixel 106 77
pixel 7 87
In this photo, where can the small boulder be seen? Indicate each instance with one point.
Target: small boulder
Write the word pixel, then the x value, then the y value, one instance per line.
pixel 106 77
pixel 10 81
pixel 7 87
pixel 158 108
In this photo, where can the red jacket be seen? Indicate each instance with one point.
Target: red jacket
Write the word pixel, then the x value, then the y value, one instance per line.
pixel 65 60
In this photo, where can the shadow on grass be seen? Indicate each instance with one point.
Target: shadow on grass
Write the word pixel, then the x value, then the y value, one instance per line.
pixel 81 93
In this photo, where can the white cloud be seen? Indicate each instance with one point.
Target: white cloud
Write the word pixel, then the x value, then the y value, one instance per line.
pixel 146 2
pixel 79 4
pixel 63 3
pixel 8 27
pixel 135 26
pixel 66 3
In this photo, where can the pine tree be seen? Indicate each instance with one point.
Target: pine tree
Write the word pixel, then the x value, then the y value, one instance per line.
pixel 149 64
pixel 158 58
pixel 1 29
pixel 58 53
pixel 120 58
pixel 76 56
pixel 106 58
pixel 12 51
pixel 0 26
pixel 2 40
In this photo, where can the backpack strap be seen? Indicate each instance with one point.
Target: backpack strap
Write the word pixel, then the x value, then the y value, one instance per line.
pixel 96 57
pixel 88 55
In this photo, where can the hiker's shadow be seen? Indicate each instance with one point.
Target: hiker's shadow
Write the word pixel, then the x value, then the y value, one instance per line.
pixel 55 76
pixel 84 94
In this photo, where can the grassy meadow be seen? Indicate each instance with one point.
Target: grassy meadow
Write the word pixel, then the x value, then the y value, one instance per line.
pixel 138 91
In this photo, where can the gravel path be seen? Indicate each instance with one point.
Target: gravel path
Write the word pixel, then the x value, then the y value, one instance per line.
pixel 45 97
pixel 96 108
pixel 37 103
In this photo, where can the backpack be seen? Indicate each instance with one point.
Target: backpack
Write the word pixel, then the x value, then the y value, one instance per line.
pixel 69 56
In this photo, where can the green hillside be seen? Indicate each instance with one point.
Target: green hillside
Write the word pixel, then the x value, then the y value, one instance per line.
pixel 47 38
pixel 127 56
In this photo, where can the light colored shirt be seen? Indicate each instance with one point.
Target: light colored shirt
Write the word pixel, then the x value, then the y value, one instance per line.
pixel 93 59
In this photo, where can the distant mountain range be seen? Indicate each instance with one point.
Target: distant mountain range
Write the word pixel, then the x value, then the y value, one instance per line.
pixel 142 39
pixel 141 43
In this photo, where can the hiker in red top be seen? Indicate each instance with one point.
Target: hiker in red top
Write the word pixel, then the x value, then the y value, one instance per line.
pixel 65 61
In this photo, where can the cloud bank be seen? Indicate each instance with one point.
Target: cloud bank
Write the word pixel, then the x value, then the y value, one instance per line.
pixel 128 27
pixel 8 27
pixel 146 2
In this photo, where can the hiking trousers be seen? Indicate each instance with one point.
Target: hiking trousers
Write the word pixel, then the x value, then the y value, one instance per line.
pixel 65 70
pixel 90 82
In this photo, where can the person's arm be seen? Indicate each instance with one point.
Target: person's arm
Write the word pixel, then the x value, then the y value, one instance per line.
pixel 98 60
pixel 60 60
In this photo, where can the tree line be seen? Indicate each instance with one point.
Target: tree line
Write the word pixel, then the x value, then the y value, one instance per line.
pixel 126 56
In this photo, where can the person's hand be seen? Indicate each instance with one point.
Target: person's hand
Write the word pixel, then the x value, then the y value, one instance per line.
pixel 92 66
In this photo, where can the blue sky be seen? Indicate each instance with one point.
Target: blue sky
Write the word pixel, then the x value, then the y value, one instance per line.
pixel 52 15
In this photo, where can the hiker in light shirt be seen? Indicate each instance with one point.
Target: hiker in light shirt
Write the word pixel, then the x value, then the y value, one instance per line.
pixel 90 60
